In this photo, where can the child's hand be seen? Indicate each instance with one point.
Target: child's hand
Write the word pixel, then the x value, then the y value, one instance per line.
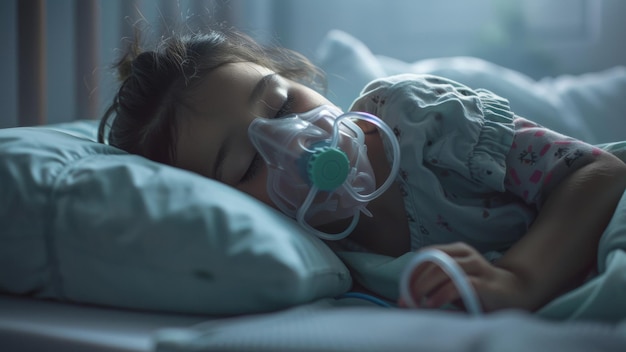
pixel 496 288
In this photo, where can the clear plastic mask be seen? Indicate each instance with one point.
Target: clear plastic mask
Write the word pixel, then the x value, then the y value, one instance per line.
pixel 318 169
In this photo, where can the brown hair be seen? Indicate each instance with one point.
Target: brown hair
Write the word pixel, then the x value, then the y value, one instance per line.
pixel 154 83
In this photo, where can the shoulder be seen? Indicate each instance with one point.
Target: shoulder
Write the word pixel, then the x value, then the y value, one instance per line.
pixel 398 82
pixel 406 88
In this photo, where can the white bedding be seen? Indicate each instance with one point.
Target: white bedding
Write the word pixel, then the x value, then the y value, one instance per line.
pixel 591 107
pixel 325 325
pixel 36 325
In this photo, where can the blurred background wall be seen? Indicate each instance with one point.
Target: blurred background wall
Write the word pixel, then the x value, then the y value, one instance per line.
pixel 537 37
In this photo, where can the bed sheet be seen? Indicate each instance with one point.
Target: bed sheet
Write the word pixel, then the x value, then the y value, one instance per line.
pixel 36 325
pixel 324 326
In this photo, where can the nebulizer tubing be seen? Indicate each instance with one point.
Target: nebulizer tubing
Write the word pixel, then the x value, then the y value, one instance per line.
pixel 395 166
pixel 451 268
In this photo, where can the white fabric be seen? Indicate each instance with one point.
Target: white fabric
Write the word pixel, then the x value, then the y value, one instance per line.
pixel 323 326
pixel 590 107
pixel 35 325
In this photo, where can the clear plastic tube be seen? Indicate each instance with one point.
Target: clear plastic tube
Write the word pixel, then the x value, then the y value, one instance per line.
pixel 325 236
pixel 451 268
pixel 395 166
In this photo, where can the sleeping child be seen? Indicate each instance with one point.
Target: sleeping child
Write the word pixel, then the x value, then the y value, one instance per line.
pixel 520 208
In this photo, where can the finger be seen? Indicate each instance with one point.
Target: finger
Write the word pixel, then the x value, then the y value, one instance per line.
pixel 429 280
pixel 454 249
pixel 428 276
pixel 472 265
pixel 426 266
pixel 414 285
pixel 419 270
pixel 445 294
pixel 469 259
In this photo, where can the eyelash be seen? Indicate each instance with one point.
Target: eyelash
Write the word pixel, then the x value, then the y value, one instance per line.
pixel 286 108
pixel 253 169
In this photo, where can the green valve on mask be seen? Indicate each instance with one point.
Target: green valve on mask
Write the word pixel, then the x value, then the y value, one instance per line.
pixel 328 168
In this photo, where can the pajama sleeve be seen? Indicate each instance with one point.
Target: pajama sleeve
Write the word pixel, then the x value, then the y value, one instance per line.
pixel 540 159
pixel 445 124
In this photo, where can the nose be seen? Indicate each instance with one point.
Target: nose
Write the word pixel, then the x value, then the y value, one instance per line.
pixel 301 149
pixel 277 140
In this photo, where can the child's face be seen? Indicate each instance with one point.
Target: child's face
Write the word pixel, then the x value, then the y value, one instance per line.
pixel 213 130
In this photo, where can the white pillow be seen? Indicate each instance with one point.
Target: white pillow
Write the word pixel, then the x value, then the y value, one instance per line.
pixel 86 222
pixel 588 107
pixel 349 66
pixel 597 98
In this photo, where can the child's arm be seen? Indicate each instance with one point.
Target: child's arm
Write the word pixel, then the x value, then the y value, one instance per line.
pixel 555 255
pixel 559 250
pixel 576 187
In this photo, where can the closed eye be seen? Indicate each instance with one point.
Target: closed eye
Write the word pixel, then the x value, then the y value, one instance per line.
pixel 286 108
pixel 253 169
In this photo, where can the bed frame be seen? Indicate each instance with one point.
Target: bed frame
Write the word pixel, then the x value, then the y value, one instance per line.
pixel 32 95
pixel 87 38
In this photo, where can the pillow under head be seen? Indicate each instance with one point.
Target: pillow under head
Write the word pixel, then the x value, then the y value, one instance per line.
pixel 87 222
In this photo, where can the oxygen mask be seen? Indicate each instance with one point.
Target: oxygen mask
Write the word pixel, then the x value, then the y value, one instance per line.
pixel 318 169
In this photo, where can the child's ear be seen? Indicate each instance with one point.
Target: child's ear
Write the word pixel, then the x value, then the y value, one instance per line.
pixel 366 126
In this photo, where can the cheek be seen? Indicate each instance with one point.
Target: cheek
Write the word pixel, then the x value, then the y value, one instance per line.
pixel 257 187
